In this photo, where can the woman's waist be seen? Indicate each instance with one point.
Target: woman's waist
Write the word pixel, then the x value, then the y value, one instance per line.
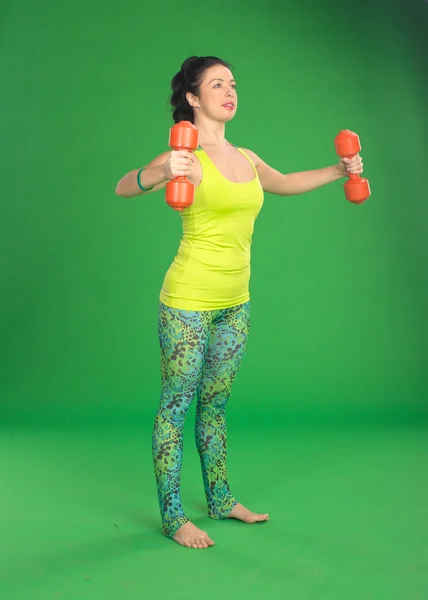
pixel 195 278
pixel 229 261
pixel 215 252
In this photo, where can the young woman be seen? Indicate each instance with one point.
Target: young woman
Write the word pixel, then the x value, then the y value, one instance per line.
pixel 204 310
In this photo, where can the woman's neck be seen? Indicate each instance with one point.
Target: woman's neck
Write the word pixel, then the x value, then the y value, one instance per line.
pixel 211 135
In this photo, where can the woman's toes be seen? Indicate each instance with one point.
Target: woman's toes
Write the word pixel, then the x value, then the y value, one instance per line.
pixel 192 537
pixel 206 540
pixel 262 517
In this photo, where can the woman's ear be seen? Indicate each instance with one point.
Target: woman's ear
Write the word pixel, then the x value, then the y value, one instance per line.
pixel 192 100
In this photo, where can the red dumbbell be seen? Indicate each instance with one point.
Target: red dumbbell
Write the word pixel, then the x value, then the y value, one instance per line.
pixel 180 192
pixel 357 189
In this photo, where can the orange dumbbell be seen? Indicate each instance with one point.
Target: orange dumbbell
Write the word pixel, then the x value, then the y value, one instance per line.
pixel 180 192
pixel 357 189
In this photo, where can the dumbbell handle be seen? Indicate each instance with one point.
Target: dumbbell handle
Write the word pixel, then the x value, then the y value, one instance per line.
pixel 352 176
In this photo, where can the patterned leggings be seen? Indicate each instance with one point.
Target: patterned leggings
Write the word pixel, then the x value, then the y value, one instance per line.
pixel 201 352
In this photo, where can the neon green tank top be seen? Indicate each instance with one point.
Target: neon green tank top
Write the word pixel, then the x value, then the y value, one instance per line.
pixel 211 270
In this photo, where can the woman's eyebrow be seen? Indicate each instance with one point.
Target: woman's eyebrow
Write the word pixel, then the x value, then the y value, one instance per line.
pixel 220 79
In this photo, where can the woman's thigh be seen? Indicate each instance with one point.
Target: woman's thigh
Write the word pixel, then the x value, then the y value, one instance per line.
pixel 228 341
pixel 183 337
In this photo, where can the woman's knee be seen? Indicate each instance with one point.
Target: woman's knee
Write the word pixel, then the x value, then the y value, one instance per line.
pixel 174 408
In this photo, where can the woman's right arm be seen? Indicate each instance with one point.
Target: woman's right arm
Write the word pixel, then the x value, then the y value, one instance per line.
pixel 157 173
pixel 154 174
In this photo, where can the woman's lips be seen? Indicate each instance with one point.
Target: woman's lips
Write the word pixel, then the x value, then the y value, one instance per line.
pixel 229 106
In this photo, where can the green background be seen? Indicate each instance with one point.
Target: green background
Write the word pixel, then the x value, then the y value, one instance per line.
pixel 328 415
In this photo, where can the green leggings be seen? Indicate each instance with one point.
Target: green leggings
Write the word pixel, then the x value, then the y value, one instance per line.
pixel 201 352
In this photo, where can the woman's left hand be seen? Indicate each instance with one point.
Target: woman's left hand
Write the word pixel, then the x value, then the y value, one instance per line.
pixel 350 165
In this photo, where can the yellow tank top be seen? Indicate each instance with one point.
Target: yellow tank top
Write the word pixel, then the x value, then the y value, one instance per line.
pixel 211 270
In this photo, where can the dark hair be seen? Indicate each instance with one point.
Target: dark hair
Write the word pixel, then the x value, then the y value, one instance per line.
pixel 188 79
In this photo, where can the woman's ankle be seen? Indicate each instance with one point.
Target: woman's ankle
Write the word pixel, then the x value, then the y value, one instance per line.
pixel 221 511
pixel 171 526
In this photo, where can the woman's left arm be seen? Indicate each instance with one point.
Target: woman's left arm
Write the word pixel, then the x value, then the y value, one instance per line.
pixel 298 183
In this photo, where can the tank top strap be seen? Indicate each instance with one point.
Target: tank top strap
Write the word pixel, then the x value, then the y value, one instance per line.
pixel 208 167
pixel 248 158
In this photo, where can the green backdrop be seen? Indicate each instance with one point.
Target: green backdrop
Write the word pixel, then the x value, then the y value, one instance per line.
pixel 339 292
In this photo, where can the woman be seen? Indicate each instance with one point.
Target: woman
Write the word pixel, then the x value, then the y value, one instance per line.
pixel 204 310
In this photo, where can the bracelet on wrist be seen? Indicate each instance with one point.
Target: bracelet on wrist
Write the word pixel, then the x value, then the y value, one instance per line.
pixel 140 185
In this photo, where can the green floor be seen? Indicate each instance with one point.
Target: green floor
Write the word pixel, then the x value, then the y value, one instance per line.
pixel 347 512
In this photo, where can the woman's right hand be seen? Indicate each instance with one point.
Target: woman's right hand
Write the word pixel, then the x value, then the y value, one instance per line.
pixel 179 164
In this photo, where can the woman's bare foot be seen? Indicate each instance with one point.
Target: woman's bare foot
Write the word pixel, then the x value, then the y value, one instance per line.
pixel 191 536
pixel 243 514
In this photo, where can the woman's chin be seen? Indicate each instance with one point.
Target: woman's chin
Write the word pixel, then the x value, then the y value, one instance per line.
pixel 227 118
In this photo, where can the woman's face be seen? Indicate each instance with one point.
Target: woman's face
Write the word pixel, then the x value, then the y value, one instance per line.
pixel 218 98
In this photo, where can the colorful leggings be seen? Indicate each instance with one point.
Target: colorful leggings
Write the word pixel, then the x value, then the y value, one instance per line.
pixel 201 352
